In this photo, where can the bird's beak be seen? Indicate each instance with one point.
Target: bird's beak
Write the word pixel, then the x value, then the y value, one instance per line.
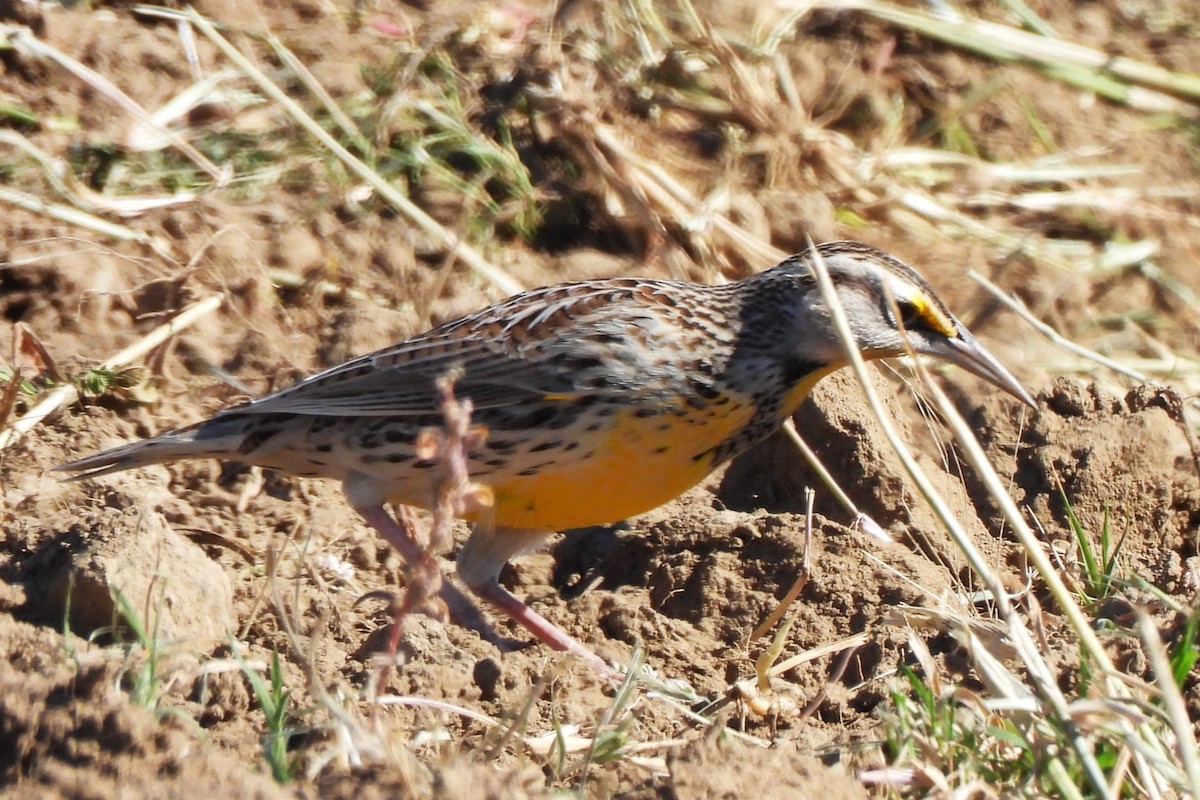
pixel 965 351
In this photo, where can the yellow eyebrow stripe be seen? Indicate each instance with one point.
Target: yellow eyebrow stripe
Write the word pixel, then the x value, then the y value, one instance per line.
pixel 933 317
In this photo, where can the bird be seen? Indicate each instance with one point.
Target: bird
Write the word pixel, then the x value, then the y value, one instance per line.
pixel 601 400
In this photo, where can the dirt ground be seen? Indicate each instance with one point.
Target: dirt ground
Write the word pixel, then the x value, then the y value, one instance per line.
pixel 229 566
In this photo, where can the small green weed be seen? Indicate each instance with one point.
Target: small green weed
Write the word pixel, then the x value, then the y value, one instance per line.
pixel 1184 650
pixel 129 383
pixel 1099 569
pixel 274 701
pixel 937 731
pixel 953 740
pixel 144 681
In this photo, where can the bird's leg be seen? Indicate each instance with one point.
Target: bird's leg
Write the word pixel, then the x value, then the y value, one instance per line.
pixel 479 564
pixel 545 630
pixel 462 611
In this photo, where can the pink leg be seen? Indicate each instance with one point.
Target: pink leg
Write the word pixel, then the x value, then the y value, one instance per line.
pixel 479 564
pixel 546 631
pixel 462 610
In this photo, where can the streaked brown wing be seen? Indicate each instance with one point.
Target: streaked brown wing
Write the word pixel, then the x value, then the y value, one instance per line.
pixel 546 343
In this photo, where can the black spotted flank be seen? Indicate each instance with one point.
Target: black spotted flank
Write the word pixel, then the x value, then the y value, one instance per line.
pixel 259 437
pixel 319 424
pixel 396 435
pixel 560 421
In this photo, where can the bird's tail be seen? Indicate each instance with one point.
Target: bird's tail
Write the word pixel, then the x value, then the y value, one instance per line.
pixel 218 437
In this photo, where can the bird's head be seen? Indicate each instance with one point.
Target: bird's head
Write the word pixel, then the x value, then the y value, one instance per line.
pixel 891 311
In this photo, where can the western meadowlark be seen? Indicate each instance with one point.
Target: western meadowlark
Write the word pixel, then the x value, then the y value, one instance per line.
pixel 602 400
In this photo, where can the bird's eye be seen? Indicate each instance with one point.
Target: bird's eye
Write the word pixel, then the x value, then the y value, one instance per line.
pixel 911 315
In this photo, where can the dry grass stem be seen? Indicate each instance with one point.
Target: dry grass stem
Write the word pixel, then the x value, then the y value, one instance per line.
pixel 26 42
pixel 1040 672
pixel 797 586
pixel 485 269
pixel 65 395
pixel 1014 303
pixel 67 184
pixel 861 520
pixel 1004 43
pixel 74 216
pixel 454 496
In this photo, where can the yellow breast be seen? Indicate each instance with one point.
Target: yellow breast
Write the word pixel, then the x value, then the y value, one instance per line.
pixel 634 465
